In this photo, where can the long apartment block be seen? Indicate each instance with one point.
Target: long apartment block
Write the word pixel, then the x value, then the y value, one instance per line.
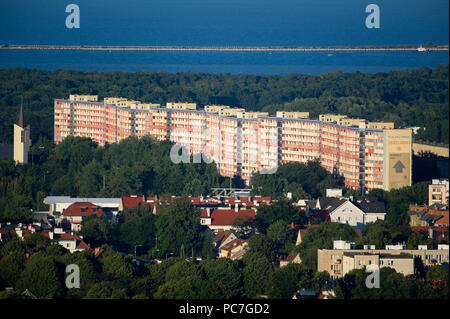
pixel 366 155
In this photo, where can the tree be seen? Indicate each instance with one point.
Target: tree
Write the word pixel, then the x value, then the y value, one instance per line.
pixel 284 281
pixel 188 288
pixel 183 269
pixel 322 237
pixel 437 273
pixel 96 230
pixel 89 270
pixel 178 224
pixel 382 233
pixel 281 235
pixel 226 274
pixel 138 231
pixel 243 226
pixel 106 290
pixel 257 269
pixel 11 267
pixel 116 265
pixel 42 276
pixel 281 210
pixel 260 243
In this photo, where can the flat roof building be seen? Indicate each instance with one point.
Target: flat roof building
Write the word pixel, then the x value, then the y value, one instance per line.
pixel 244 143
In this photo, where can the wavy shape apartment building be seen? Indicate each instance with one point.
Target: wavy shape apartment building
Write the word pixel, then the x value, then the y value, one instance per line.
pixel 366 154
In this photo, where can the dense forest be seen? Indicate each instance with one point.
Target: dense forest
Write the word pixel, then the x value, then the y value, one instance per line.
pixel 409 98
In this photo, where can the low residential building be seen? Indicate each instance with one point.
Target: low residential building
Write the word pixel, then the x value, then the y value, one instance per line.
pixel 356 213
pixel 293 257
pixel 234 250
pixel 70 241
pixel 20 230
pixel 338 262
pixel 436 215
pixel 402 263
pixel 58 203
pixel 223 218
pixel 437 233
pixel 223 237
pixel 76 212
pixel 438 192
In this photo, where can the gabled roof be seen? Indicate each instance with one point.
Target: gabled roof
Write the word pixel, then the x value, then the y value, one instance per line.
pixel 83 209
pixel 370 205
pixel 225 217
pixel 232 244
pixel 80 244
pixel 132 201
pixel 366 204
pixel 330 203
pixel 222 237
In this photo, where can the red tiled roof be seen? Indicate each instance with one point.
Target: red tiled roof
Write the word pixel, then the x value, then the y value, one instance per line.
pixel 45 233
pixel 75 209
pixel 204 213
pixel 195 200
pixel 246 201
pixel 444 220
pixel 426 228
pixel 98 252
pixel 225 217
pixel 83 245
pixel 67 236
pixel 132 201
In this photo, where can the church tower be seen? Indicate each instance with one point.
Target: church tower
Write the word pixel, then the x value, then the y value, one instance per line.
pixel 22 141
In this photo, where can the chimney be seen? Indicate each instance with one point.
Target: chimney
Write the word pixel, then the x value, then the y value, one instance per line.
pixel 208 212
pixel 236 207
pixel 50 234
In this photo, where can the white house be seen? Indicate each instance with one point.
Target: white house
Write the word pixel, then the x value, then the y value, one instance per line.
pixel 356 213
pixel 58 203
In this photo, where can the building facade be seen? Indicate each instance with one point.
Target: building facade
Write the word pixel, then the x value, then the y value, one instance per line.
pixel 243 143
pixel 340 260
pixel 438 192
pixel 22 140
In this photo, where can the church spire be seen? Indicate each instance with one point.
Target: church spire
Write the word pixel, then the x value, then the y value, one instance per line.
pixel 20 122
